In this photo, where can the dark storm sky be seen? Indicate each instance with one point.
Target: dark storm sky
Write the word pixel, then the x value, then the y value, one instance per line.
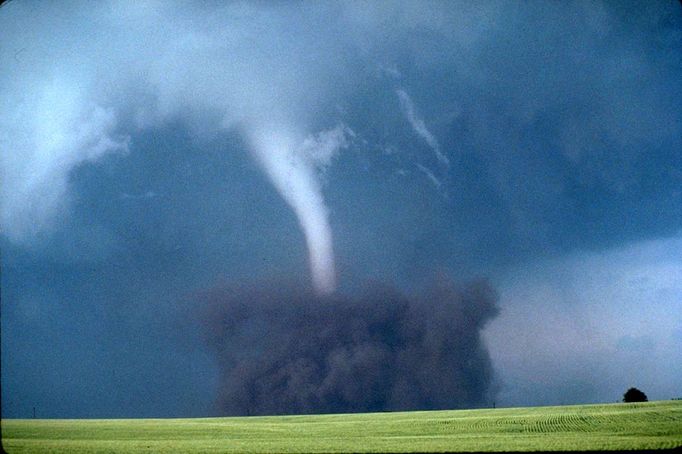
pixel 538 144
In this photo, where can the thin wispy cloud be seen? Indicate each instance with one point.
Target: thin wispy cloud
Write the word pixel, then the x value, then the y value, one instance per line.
pixel 419 126
pixel 436 182
pixel 143 196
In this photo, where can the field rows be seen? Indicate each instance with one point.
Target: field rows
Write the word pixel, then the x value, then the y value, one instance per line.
pixel 653 425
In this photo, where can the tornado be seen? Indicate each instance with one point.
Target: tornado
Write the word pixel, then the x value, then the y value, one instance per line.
pixel 293 170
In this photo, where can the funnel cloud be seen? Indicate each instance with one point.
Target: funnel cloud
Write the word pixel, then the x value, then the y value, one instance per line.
pixel 293 167
pixel 287 350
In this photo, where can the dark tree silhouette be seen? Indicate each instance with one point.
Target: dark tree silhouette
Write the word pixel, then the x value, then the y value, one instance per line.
pixel 634 395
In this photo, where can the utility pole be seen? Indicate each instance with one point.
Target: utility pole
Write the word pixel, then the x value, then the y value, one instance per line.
pixel 34 412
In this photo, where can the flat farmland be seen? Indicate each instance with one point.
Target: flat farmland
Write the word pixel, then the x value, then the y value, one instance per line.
pixel 650 425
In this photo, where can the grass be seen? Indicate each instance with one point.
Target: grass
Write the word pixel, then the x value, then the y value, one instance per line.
pixel 651 425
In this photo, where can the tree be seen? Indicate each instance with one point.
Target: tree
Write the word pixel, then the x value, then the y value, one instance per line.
pixel 634 395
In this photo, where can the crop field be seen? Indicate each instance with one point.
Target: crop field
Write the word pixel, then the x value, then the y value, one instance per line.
pixel 651 425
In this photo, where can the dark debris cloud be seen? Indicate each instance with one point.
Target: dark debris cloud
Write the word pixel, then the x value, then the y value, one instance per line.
pixel 285 350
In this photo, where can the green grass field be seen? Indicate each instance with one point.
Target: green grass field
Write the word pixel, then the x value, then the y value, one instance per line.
pixel 652 425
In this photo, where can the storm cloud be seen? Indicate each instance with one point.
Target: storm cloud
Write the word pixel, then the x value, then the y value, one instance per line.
pixel 286 350
pixel 151 149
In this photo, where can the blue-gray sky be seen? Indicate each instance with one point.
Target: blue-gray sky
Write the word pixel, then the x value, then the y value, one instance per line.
pixel 153 150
